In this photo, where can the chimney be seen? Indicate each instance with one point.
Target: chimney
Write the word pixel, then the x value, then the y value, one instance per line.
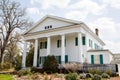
pixel 97 31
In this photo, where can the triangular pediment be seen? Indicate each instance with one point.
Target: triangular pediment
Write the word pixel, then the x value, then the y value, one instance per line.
pixel 51 22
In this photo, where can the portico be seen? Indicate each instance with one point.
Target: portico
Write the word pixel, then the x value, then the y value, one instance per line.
pixel 54 45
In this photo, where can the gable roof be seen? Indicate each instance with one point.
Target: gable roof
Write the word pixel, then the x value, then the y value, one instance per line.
pixel 54 17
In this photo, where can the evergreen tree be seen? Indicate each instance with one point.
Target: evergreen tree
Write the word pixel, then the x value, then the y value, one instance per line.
pixel 50 65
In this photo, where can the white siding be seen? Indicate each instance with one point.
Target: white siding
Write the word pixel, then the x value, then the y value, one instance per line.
pixel 107 57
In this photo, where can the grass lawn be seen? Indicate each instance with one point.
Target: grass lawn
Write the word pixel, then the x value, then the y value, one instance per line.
pixel 6 77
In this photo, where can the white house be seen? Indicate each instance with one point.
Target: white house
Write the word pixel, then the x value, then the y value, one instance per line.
pixel 68 40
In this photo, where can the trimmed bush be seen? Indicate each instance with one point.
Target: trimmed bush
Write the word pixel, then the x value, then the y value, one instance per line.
pixel 98 71
pixel 89 75
pixel 104 75
pixel 24 72
pixel 90 70
pixel 35 69
pixel 96 77
pixel 82 76
pixel 50 65
pixel 71 76
pixel 108 71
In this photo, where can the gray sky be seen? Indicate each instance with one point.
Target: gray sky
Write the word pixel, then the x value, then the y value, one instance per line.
pixel 101 14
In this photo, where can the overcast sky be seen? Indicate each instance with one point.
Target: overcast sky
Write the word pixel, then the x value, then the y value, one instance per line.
pixel 101 14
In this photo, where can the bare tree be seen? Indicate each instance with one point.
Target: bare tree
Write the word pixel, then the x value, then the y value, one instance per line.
pixel 12 16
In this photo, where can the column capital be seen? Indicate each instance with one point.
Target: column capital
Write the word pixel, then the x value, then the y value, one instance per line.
pixel 62 34
pixel 48 36
pixel 35 38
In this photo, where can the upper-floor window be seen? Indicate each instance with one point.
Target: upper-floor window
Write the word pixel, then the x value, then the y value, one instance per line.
pixel 90 43
pixel 48 27
pixel 58 43
pixel 43 45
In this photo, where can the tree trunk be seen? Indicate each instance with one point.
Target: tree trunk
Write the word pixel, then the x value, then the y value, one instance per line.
pixel 1 57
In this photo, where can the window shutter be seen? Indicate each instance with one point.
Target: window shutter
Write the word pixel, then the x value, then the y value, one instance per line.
pixel 40 60
pixel 66 58
pixel 83 40
pixel 57 43
pixel 59 59
pixel 76 41
pixel 40 45
pixel 92 59
pixel 101 59
pixel 46 45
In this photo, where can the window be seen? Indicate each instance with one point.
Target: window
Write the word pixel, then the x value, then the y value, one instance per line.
pixel 58 43
pixel 66 58
pixel 43 45
pixel 83 40
pixel 76 41
pixel 50 26
pixel 58 58
pixel 101 59
pixel 40 61
pixel 92 59
pixel 40 45
pixel 45 27
pixel 90 43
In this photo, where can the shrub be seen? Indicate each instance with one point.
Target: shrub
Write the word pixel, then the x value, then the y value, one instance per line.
pixel 50 65
pixel 89 75
pixel 104 75
pixel 71 67
pixel 18 62
pixel 96 77
pixel 5 66
pixel 90 70
pixel 108 71
pixel 98 71
pixel 35 69
pixel 82 76
pixel 24 72
pixel 71 76
pixel 36 76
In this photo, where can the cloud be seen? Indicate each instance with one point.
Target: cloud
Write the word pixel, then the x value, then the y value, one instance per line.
pixel 32 10
pixel 114 47
pixel 112 3
pixel 51 3
pixel 109 32
pixel 81 9
pixel 89 5
pixel 77 15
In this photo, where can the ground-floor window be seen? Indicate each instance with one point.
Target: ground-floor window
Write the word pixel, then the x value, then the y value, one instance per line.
pixel 58 58
pixel 97 59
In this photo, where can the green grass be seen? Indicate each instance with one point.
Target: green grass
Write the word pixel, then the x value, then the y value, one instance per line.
pixel 6 77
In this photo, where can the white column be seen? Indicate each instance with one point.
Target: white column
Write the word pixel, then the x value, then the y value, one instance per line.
pixel 63 48
pixel 80 47
pixel 48 45
pixel 24 55
pixel 35 53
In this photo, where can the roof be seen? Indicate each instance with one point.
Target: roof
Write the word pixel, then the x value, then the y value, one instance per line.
pixel 74 22
pixel 103 50
pixel 54 17
pixel 91 50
